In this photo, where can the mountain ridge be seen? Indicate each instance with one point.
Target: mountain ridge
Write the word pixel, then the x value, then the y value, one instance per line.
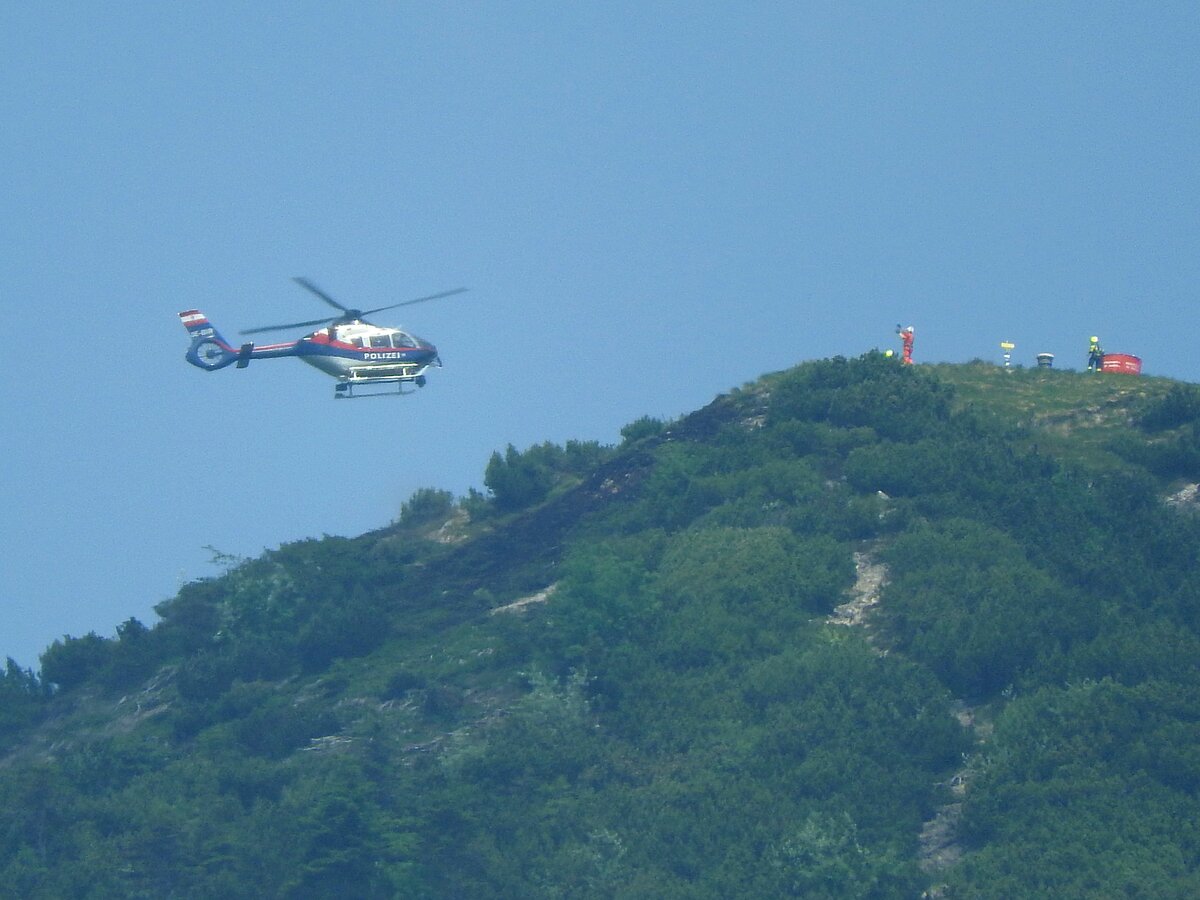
pixel 669 706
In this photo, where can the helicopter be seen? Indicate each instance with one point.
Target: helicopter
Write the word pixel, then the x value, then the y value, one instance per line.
pixel 352 350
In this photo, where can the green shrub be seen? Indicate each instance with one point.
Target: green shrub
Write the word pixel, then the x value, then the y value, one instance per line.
pixel 426 505
pixel 69 662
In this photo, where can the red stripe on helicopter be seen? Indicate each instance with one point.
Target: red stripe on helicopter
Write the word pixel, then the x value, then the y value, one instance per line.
pixel 325 340
pixel 282 346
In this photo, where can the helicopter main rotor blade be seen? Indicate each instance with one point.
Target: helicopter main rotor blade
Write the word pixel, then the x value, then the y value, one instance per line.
pixel 305 283
pixel 307 324
pixel 418 300
pixel 347 312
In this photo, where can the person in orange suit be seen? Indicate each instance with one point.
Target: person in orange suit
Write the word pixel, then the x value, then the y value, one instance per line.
pixel 906 336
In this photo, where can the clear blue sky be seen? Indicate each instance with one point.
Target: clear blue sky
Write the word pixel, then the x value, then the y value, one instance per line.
pixel 651 203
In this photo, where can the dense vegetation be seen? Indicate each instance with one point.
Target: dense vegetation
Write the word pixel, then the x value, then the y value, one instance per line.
pixel 616 674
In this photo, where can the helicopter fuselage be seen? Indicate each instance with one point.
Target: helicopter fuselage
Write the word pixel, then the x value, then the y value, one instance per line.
pixel 360 350
pixel 352 352
pixel 349 348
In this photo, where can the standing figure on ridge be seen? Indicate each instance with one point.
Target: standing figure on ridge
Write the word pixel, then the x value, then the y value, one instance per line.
pixel 906 335
pixel 1095 355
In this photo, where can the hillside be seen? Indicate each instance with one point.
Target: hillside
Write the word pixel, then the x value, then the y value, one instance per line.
pixel 853 630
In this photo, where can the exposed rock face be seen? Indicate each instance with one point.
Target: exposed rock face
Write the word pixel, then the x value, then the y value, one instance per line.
pixel 1186 499
pixel 519 606
pixel 939 844
pixel 939 836
pixel 870 576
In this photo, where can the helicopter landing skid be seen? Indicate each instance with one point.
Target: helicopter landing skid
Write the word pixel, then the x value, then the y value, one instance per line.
pixel 387 387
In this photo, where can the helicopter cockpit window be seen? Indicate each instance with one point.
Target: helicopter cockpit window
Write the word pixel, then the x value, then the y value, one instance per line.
pixel 357 341
pixel 380 340
pixel 400 339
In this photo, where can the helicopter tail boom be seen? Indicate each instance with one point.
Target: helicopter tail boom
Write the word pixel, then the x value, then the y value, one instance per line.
pixel 210 351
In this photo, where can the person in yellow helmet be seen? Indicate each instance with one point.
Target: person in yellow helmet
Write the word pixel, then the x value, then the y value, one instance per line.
pixel 1095 355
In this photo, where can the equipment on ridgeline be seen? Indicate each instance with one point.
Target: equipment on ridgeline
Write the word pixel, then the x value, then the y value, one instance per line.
pixel 1007 347
pixel 1121 364
pixel 1045 360
pixel 352 350
pixel 906 336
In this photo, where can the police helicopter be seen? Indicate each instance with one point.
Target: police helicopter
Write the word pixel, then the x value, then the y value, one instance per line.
pixel 352 350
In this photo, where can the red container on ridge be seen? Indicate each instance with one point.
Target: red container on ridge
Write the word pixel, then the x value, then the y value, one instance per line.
pixel 1121 363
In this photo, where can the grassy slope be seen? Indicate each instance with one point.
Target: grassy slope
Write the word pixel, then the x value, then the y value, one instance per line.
pixel 1073 415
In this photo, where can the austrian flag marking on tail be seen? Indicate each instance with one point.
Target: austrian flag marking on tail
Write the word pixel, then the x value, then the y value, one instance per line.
pixel 193 319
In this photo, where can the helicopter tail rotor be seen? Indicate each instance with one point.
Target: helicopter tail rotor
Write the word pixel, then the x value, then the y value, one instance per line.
pixel 210 351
